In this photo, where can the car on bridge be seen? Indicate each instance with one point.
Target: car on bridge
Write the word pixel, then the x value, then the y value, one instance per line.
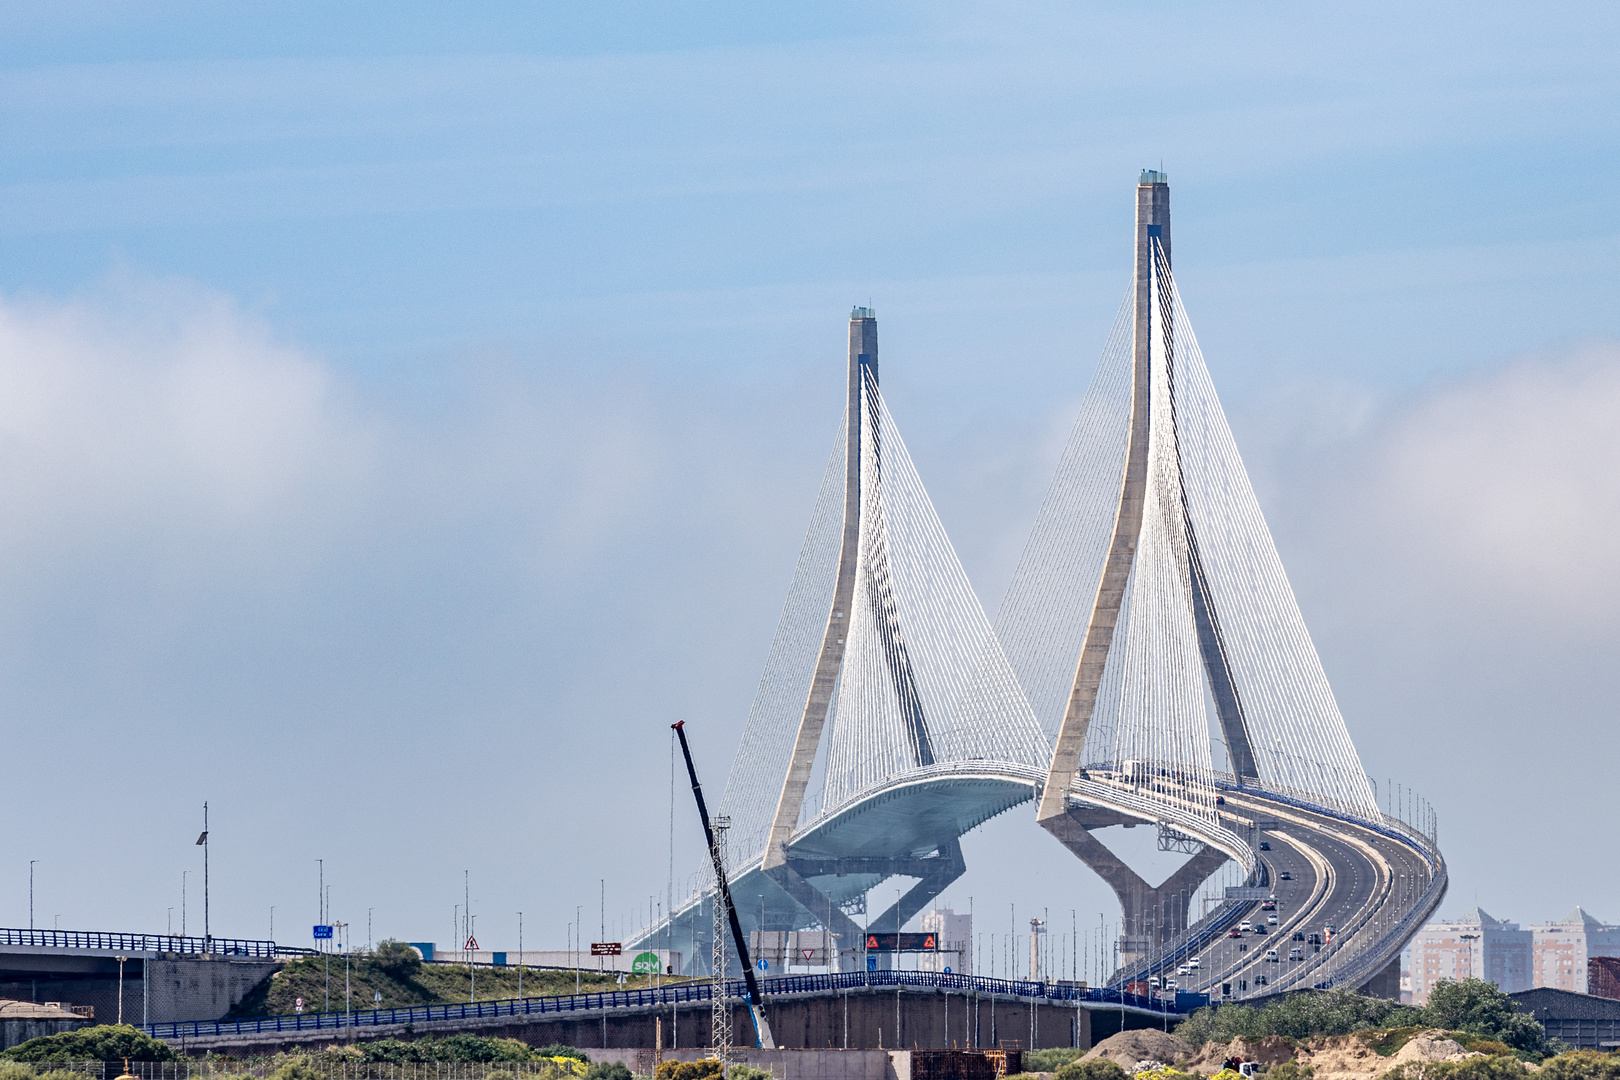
pixel 1271 920
pixel 1265 845
pixel 1194 962
pixel 1260 929
pixel 1296 953
pixel 1235 932
pixel 1271 956
pixel 1286 875
pixel 1269 904
pixel 1299 935
pixel 1184 969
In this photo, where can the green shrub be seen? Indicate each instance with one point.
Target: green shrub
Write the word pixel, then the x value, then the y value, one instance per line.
pixel 298 1070
pixel 102 1042
pixel 704 1069
pixel 738 1072
pixel 1049 1060
pixel 1491 1067
pixel 1298 1016
pixel 459 1048
pixel 61 1074
pixel 1486 1046
pixel 615 1070
pixel 557 1050
pixel 15 1070
pixel 1290 1070
pixel 1576 1065
pixel 1472 1006
pixel 397 959
pixel 1092 1069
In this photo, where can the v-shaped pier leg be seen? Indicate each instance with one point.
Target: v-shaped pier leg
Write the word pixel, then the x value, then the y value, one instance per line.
pixel 1153 915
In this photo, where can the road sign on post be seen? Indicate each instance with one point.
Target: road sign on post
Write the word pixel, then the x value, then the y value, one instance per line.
pixel 323 933
pixel 902 943
pixel 607 948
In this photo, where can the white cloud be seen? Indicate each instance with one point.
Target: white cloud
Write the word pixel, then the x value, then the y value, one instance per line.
pixel 1505 486
pixel 155 409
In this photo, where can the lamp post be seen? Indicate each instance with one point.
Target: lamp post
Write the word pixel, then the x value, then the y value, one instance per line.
pixel 31 863
pixel 1470 938
pixel 120 960
pixel 202 842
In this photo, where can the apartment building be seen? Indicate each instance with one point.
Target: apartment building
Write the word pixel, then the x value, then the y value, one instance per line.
pixel 1473 945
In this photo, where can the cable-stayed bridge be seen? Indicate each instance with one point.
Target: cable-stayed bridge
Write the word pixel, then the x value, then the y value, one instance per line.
pixel 1149 665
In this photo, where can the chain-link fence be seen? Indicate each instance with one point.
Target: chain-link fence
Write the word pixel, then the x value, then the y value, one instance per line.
pixel 311 1068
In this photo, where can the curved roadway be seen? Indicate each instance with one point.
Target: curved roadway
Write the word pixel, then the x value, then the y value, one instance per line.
pixel 1355 879
pixel 1360 880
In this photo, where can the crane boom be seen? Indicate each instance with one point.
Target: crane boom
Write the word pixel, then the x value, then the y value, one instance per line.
pixel 756 1003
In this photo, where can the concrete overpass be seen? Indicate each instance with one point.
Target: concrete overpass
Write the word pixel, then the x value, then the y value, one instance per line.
pixel 160 977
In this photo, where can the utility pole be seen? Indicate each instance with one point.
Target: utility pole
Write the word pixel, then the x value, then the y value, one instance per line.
pixel 520 954
pixel 183 874
pixel 31 863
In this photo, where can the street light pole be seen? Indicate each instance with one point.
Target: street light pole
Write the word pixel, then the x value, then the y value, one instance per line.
pixel 31 863
pixel 202 841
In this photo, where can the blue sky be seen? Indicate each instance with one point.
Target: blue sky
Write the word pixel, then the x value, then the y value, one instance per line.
pixel 406 411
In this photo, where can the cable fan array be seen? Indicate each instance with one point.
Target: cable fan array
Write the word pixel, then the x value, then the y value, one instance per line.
pixel 924 684
pixel 1199 509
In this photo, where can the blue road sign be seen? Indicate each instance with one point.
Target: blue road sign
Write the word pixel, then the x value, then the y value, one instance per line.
pixel 323 933
pixel 871 963
pixel 947 971
pixel 764 964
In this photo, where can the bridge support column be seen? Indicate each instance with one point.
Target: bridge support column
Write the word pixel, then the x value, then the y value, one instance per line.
pixel 1152 915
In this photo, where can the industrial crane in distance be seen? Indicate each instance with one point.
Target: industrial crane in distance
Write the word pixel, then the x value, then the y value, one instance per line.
pixel 756 1003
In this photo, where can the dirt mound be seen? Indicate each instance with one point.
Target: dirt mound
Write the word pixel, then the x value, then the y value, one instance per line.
pixel 1349 1057
pixel 1344 1057
pixel 1143 1044
pixel 1273 1050
pixel 1429 1046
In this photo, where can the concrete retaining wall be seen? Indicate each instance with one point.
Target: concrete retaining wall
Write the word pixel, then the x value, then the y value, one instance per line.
pixel 13 1032
pixel 867 1019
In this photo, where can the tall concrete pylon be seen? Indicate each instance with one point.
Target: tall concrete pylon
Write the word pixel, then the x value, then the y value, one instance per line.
pixel 864 545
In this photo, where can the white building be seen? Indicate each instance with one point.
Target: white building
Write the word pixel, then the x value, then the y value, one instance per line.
pixel 955 933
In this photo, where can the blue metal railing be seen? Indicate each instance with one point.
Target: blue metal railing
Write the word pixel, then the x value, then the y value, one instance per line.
pixel 147 943
pixel 674 995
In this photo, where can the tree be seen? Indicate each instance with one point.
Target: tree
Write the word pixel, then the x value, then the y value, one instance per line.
pixel 1480 1008
pixel 103 1042
pixel 397 959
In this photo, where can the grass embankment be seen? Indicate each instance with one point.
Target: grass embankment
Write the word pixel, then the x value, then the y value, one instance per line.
pixel 405 981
